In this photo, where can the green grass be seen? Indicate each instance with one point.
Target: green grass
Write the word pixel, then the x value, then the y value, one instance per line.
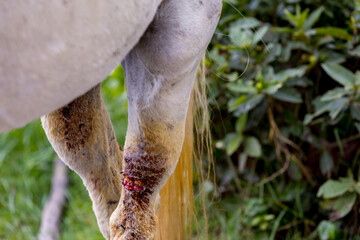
pixel 25 176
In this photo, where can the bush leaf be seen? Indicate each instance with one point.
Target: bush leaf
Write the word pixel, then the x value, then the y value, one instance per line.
pixel 344 204
pixel 288 95
pixel 339 74
pixel 334 32
pixel 313 18
pixel 252 147
pixel 326 162
pixel 334 94
pixel 290 73
pixel 249 104
pixel 333 188
pixel 233 144
pixel 326 230
pixel 355 111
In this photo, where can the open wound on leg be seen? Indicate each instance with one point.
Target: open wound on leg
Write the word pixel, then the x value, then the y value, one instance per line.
pixel 132 184
pixel 142 173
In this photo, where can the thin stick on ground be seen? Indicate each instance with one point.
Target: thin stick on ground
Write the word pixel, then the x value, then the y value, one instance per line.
pixel 51 216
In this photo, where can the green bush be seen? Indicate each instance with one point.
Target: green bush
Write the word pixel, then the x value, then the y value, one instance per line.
pixel 283 75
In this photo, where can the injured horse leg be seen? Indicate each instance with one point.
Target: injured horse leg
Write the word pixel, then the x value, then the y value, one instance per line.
pixel 149 161
pixel 160 73
pixel 83 137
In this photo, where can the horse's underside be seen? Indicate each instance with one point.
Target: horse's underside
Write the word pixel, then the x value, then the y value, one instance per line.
pixel 54 51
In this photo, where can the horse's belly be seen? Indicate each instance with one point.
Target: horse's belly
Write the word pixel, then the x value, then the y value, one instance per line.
pixel 53 51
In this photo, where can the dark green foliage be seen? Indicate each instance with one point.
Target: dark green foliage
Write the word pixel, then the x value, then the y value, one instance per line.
pixel 283 76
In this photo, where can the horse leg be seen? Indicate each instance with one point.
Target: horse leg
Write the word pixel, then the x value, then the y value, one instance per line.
pixel 160 73
pixel 82 135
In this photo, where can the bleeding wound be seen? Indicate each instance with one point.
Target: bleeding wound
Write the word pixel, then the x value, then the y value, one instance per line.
pixel 133 184
pixel 142 172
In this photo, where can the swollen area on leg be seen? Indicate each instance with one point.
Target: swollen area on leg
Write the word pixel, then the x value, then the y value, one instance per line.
pixel 82 135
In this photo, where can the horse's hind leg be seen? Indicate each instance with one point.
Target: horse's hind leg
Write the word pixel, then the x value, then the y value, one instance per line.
pixel 160 73
pixel 82 135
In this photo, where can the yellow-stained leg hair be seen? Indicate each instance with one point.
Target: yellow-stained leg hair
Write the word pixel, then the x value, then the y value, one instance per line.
pixel 176 197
